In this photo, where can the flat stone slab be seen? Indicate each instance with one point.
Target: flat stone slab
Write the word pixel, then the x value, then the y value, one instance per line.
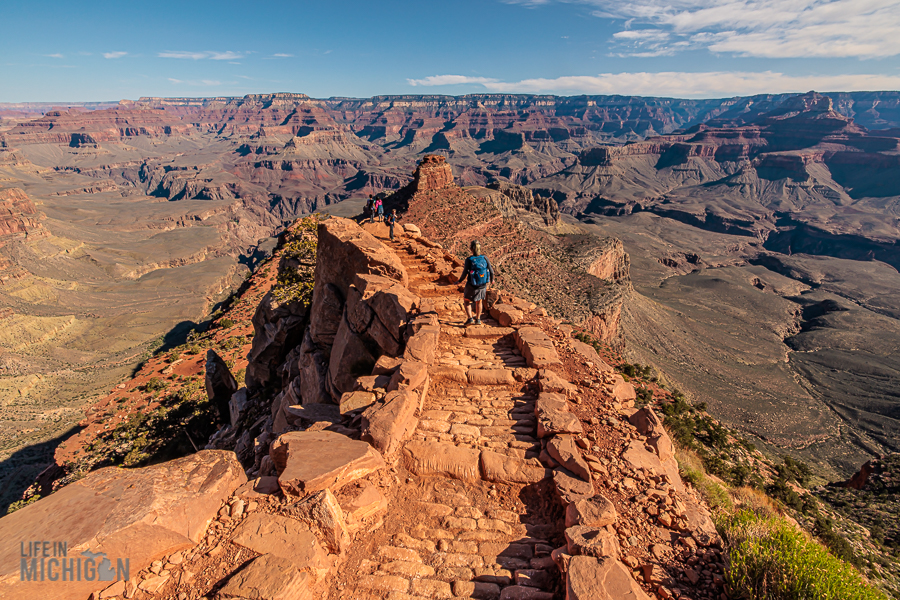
pixel 135 514
pixel 441 458
pixel 597 511
pixel 590 579
pixel 283 537
pixel 591 541
pixel 490 377
pixel 268 577
pixel 507 469
pixel 309 461
pixel 537 347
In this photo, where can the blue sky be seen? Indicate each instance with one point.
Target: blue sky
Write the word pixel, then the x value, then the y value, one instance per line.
pixel 87 51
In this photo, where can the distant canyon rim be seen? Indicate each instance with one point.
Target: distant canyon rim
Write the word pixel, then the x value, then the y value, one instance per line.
pixel 762 234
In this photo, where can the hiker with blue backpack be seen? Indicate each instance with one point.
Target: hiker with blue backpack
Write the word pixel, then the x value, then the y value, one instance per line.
pixel 478 273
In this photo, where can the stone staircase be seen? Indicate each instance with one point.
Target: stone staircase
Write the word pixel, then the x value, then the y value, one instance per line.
pixel 459 535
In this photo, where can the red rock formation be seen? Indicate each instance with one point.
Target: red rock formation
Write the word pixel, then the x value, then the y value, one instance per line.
pixel 433 173
pixel 17 213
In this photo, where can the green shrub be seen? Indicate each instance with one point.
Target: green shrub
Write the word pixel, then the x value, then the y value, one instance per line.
pixel 768 559
pixel 156 384
pixel 226 323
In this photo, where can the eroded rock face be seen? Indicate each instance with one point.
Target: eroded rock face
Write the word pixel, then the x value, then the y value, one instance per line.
pixel 433 173
pixel 220 384
pixel 139 514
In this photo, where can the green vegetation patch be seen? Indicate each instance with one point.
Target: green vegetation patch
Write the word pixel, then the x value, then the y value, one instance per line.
pixel 769 559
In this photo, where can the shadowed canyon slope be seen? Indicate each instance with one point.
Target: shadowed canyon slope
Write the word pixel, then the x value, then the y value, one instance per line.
pixel 121 223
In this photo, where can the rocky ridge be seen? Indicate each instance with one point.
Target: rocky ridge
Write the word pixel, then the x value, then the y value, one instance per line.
pixel 580 277
pixel 500 461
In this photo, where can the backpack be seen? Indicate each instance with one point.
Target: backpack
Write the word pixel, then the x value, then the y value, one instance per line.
pixel 480 273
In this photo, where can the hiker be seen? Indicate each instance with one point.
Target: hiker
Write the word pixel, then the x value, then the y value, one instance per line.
pixel 370 208
pixel 392 222
pixel 478 273
pixel 379 207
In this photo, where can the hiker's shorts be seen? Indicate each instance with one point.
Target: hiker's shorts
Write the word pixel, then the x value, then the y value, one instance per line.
pixel 474 293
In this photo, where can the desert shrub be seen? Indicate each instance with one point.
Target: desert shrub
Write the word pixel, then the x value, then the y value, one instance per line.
pixel 768 559
pixel 226 323
pixel 13 507
pixel 156 384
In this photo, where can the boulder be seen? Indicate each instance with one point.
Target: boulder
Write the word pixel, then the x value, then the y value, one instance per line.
pixel 283 537
pixel 370 501
pixel 351 401
pixel 220 384
pixel 537 347
pixel 638 457
pixel 393 308
pixel 268 577
pixel 591 541
pixel 507 469
pixel 597 511
pixel 549 381
pixel 564 451
pixel 570 488
pixel 326 311
pixel 506 314
pixel 322 514
pixel 412 229
pixel 387 424
pixel 278 328
pixel 623 391
pixel 553 416
pixel 410 373
pixel 313 376
pixel 441 458
pixel 590 354
pixel 237 406
pixel 607 579
pixel 423 345
pixel 646 422
pixel 136 514
pixel 350 358
pixel 386 365
pixel 338 460
pixel 343 247
pixel 663 446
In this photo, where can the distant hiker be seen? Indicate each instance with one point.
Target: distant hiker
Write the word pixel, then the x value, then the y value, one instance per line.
pixel 370 209
pixel 392 221
pixel 478 273
pixel 379 208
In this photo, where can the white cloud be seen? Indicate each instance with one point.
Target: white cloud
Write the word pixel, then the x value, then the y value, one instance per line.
pixel 762 28
pixel 57 55
pixel 450 80
pixel 282 55
pixel 114 54
pixel 712 84
pixel 211 55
